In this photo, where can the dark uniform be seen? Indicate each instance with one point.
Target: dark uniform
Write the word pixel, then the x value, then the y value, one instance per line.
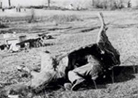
pixel 91 69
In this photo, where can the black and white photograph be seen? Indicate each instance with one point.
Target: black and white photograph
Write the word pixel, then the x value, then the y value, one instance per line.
pixel 68 48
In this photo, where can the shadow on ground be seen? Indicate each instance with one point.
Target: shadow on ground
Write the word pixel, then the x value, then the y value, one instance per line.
pixel 118 74
pixel 121 74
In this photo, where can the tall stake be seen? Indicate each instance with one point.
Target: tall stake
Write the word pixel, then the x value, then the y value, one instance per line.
pixel 48 1
pixel 9 3
pixel 0 4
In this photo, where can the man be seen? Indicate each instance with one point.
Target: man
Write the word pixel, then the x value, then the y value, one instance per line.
pixel 91 70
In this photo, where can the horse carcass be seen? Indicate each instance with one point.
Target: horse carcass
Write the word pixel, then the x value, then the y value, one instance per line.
pixel 103 50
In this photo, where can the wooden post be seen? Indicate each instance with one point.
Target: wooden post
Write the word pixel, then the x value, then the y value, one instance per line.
pixel 0 4
pixel 9 3
pixel 48 3
pixel 92 3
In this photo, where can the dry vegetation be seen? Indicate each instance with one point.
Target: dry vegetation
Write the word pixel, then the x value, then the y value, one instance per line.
pixel 111 4
pixel 73 29
pixel 2 25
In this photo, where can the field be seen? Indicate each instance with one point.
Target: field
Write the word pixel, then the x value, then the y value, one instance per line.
pixel 71 30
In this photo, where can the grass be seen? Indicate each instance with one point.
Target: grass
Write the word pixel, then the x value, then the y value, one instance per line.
pixel 62 18
pixel 3 25
pixel 120 32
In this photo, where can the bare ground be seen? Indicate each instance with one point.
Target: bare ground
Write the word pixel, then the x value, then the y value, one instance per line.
pixel 73 29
